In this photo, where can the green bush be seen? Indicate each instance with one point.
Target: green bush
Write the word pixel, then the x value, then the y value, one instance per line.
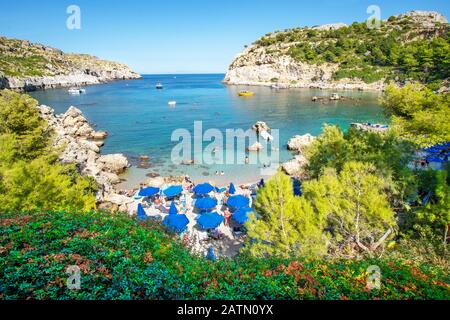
pixel 31 177
pixel 122 259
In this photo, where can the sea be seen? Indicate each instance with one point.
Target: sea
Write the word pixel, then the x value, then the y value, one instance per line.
pixel 140 122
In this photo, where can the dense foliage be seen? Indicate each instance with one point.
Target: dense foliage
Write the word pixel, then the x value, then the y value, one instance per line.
pixel 389 155
pixel 288 225
pixel 400 49
pixel 419 198
pixel 357 210
pixel 120 259
pixel 419 115
pixel 343 214
pixel 31 178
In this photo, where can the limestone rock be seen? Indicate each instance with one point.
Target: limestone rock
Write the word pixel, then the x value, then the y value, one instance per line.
pixel 99 135
pixel 297 143
pixel 256 147
pixel 115 163
pixel 80 144
pixel 260 126
pixel 295 166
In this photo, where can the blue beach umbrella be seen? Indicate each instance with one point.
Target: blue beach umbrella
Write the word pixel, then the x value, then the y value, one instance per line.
pixel 173 209
pixel 176 222
pixel 435 159
pixel 206 203
pixel 238 201
pixel 242 215
pixel 202 189
pixel 173 191
pixel 149 192
pixel 210 220
pixel 232 189
pixel 141 212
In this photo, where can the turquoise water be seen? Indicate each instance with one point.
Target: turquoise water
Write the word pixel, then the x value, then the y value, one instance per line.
pixel 140 121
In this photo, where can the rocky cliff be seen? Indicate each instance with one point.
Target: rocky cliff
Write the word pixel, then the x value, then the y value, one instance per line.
pixel 26 66
pixel 338 56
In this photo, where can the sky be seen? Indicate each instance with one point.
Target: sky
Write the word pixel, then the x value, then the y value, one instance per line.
pixel 180 36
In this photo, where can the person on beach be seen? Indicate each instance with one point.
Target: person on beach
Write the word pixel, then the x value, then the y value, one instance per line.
pixel 227 214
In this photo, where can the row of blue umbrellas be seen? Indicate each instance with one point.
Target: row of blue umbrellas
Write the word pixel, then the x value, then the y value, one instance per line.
pixel 234 202
pixel 170 192
pixel 173 191
pixel 178 222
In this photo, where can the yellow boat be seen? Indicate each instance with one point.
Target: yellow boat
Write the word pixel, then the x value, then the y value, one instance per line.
pixel 245 94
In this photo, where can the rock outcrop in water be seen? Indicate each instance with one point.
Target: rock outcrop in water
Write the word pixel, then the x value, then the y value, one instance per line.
pixel 80 144
pixel 27 66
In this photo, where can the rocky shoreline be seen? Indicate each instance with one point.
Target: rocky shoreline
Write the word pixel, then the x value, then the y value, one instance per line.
pixel 81 145
pixel 76 79
pixel 28 66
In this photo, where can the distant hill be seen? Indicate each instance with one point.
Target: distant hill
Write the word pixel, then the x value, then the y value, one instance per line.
pixel 410 47
pixel 29 66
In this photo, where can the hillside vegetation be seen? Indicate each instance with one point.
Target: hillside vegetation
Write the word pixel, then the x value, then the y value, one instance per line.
pixel 20 58
pixel 409 47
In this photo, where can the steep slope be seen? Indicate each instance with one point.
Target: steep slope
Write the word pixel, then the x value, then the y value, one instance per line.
pixel 412 46
pixel 27 66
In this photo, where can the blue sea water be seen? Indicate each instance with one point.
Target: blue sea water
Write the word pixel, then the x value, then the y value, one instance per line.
pixel 140 121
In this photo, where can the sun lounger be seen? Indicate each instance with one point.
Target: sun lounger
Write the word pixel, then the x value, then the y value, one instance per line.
pixel 163 209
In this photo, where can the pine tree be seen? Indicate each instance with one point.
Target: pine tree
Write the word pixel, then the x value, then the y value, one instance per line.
pixel 288 226
pixel 356 207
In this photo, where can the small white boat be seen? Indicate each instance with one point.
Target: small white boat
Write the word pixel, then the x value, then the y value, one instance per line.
pixel 335 96
pixel 172 103
pixel 159 86
pixel 76 91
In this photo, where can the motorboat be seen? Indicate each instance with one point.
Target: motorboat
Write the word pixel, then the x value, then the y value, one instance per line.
pixel 335 96
pixel 159 86
pixel 76 91
pixel 172 103
pixel 246 93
